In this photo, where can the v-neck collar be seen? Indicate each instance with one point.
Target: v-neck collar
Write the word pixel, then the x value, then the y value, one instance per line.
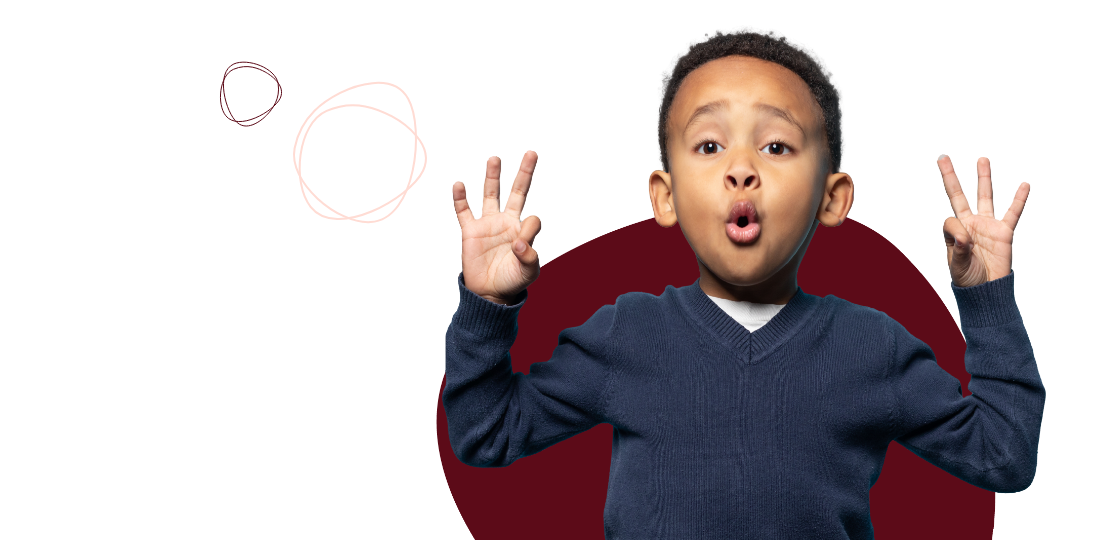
pixel 752 347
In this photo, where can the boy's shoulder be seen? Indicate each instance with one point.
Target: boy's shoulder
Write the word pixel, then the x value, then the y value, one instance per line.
pixel 850 315
pixel 849 309
pixel 664 303
pixel 853 309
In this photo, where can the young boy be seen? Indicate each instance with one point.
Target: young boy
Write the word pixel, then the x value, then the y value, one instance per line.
pixel 742 406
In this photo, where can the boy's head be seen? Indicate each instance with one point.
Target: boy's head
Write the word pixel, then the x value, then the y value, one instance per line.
pixel 749 121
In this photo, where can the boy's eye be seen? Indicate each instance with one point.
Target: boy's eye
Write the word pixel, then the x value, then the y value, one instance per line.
pixel 708 146
pixel 780 145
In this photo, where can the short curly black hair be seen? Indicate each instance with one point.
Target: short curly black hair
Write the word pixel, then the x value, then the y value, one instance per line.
pixel 764 47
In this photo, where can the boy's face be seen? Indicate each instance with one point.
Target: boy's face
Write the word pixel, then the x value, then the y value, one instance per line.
pixel 733 136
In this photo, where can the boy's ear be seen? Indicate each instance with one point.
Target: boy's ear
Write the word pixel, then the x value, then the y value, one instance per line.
pixel 661 197
pixel 839 194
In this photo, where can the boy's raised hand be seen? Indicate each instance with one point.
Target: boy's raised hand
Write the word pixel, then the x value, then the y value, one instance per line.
pixel 498 256
pixel 979 245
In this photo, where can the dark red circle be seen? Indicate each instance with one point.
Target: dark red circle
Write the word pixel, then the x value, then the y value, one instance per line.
pixel 225 103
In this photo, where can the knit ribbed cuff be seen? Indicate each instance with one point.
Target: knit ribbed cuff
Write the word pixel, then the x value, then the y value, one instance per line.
pixel 484 318
pixel 988 304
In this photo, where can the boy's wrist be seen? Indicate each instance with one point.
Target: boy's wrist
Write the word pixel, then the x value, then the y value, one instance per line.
pixel 497 300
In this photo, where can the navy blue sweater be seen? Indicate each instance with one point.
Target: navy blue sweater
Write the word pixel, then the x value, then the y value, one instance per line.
pixel 724 433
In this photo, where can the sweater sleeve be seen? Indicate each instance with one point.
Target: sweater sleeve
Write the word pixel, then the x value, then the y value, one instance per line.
pixel 495 416
pixel 990 438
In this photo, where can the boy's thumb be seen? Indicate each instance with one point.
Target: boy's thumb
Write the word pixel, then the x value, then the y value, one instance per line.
pixel 522 246
pixel 525 253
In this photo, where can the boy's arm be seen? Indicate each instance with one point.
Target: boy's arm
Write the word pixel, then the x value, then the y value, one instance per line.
pixel 990 438
pixel 495 416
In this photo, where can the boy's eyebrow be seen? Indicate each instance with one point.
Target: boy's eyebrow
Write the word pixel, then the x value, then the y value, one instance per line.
pixel 765 108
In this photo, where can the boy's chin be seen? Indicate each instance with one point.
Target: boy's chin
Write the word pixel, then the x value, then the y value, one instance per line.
pixel 743 277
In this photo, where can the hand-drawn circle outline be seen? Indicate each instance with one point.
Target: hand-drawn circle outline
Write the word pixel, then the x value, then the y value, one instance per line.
pixel 298 162
pixel 224 103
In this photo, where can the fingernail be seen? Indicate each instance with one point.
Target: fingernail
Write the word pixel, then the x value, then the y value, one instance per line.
pixel 519 246
pixel 941 156
pixel 956 243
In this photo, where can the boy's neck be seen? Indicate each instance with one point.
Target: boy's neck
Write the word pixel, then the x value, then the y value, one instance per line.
pixel 778 289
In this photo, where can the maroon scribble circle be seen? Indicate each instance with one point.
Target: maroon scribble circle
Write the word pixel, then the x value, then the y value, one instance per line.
pixel 225 103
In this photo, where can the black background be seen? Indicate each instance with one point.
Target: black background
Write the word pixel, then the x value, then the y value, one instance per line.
pixel 317 420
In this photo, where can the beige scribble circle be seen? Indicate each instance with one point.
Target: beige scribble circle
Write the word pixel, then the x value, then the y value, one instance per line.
pixel 298 159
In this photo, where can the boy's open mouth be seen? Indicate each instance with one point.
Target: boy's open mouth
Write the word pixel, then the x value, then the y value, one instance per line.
pixel 742 223
pixel 742 212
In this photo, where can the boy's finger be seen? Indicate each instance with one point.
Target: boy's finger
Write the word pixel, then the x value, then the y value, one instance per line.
pixel 462 209
pixel 1011 216
pixel 521 184
pixel 985 195
pixel 957 198
pixel 491 186
pixel 530 228
pixel 949 229
pixel 523 246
